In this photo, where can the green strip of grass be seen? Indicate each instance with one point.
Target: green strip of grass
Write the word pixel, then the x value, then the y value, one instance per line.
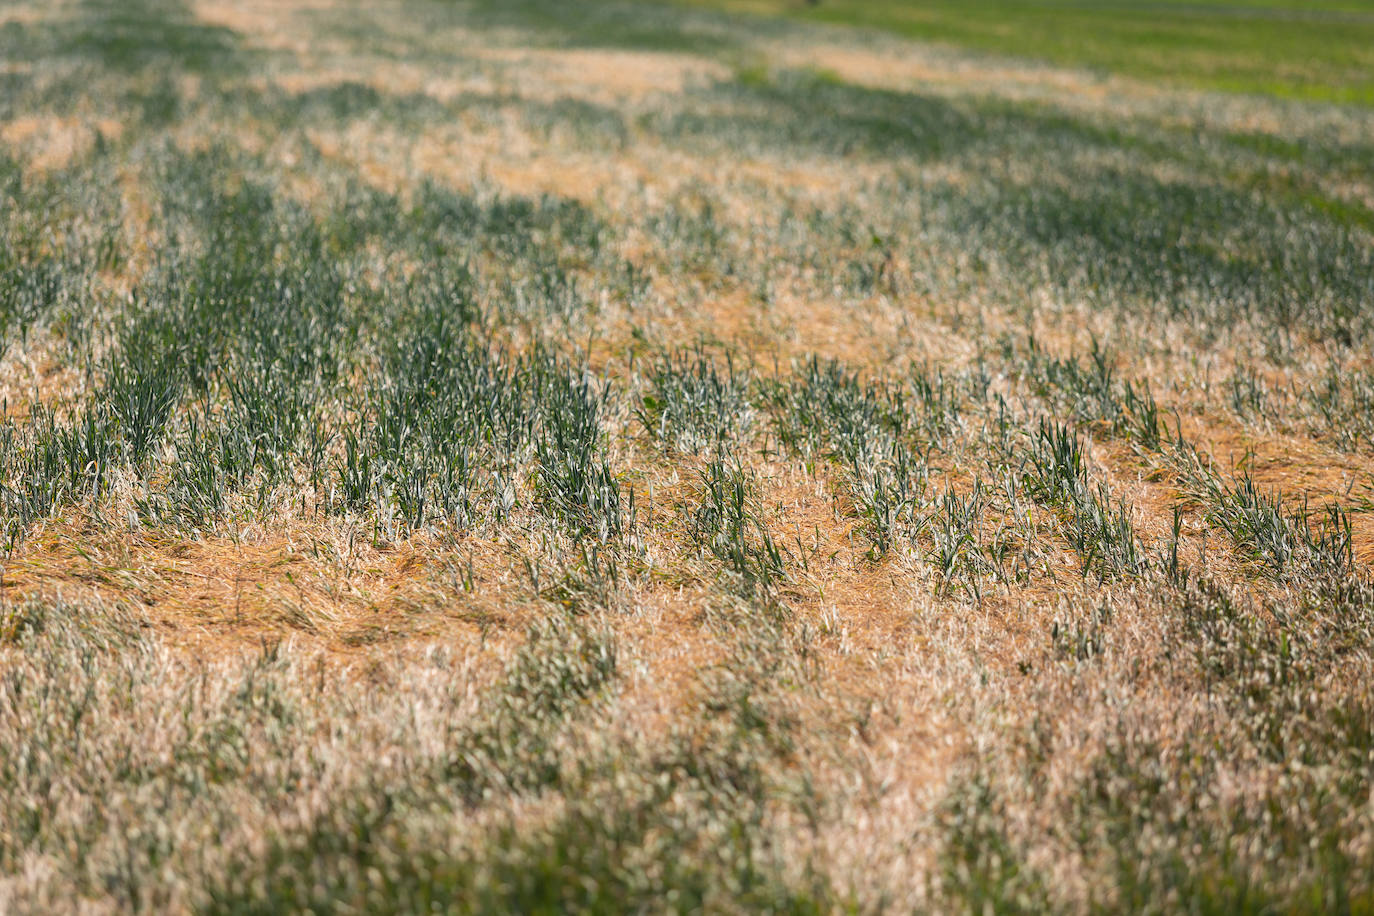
pixel 1320 51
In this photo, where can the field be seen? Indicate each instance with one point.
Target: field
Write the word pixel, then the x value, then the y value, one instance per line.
pixel 473 456
pixel 1317 50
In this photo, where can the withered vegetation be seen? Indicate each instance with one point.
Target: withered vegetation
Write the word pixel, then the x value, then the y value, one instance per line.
pixel 481 456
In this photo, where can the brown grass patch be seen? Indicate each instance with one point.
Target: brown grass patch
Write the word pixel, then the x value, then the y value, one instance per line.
pixel 50 143
pixel 328 587
pixel 604 75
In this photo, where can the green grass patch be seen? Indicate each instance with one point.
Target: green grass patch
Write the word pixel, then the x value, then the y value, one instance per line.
pixel 1314 51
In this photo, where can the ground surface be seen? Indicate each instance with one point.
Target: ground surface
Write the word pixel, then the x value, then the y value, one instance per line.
pixel 503 455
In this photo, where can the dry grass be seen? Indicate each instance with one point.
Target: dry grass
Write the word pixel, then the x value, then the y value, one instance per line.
pixel 900 618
